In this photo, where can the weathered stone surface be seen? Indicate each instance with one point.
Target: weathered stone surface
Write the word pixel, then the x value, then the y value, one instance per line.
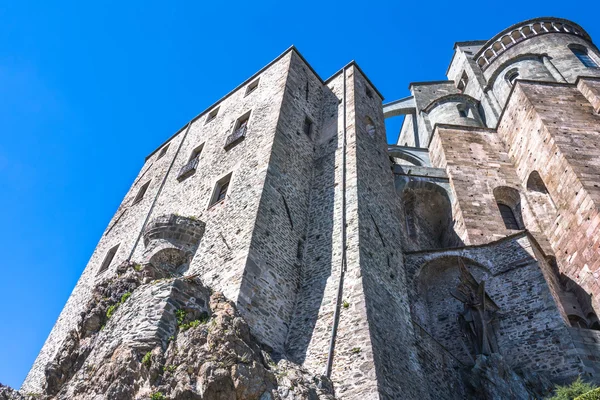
pixel 341 253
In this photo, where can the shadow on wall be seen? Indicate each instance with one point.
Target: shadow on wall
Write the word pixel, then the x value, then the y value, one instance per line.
pixel 428 217
pixel 317 260
pixel 577 304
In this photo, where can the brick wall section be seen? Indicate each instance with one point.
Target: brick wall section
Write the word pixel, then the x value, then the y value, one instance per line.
pixel 477 163
pixel 221 255
pixel 273 270
pixel 553 130
pixel 381 268
pixel 531 331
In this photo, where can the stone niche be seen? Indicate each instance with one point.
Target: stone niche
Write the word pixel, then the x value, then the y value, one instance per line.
pixel 171 241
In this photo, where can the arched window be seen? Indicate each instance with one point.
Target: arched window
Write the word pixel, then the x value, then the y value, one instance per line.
pixel 510 221
pixel 508 200
pixel 511 76
pixel 582 54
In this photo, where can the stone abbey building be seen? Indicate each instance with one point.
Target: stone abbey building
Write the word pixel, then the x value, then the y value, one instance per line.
pixel 461 262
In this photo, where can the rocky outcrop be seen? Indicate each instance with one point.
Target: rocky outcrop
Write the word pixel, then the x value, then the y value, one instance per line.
pixel 493 379
pixel 147 336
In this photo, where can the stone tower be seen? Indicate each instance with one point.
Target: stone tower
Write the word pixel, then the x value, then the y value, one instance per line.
pixel 415 270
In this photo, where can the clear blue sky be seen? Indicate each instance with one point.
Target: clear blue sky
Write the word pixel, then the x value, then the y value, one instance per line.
pixel 88 89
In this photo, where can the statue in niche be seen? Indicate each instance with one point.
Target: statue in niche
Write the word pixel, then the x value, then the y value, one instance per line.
pixel 479 311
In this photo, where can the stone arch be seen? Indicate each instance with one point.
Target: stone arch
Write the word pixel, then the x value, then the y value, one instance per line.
pixel 428 216
pixel 511 199
pixel 435 309
pixel 399 156
pixel 171 260
pixel 541 202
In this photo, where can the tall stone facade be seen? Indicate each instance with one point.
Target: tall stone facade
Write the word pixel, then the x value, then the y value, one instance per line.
pixel 461 262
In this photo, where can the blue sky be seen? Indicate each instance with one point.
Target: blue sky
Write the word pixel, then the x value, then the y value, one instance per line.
pixel 88 89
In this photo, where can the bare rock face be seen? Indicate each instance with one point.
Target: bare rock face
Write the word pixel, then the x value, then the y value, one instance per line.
pixel 168 338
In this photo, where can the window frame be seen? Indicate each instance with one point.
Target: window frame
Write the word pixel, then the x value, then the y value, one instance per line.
pixel 252 86
pixel 108 259
pixel 217 190
pixel 141 193
pixel 212 114
pixel 583 55
pixel 163 151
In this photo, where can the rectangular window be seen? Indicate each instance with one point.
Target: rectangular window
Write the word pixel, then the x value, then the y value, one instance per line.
pixel 163 151
pixel 221 189
pixel 212 115
pixel 307 126
pixel 252 87
pixel 108 259
pixel 239 131
pixel 189 168
pixel 141 193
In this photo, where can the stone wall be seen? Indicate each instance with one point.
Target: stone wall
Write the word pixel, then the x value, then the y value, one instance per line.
pixel 221 255
pixel 551 133
pixel 531 331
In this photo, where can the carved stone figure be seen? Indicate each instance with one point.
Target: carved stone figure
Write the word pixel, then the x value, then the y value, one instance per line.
pixel 476 319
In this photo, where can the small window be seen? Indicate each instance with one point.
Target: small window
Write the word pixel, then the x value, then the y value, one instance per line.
pixel 307 127
pixel 141 193
pixel 512 76
pixel 582 54
pixel 163 151
pixel 462 111
pixel 369 93
pixel 108 259
pixel 239 131
pixel 221 189
pixel 252 87
pixel 196 152
pixel 212 115
pixel 462 83
pixel 190 167
pixel 510 221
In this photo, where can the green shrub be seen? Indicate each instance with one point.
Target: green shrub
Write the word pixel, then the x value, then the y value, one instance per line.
pixel 345 304
pixel 591 395
pixel 111 310
pixel 180 315
pixel 125 297
pixel 147 360
pixel 570 392
pixel 158 396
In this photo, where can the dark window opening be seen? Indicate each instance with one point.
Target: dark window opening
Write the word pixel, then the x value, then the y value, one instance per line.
pixel 239 131
pixel 221 190
pixel 189 168
pixel 212 115
pixel 163 151
pixel 511 77
pixel 584 57
pixel 369 93
pixel 108 259
pixel 141 193
pixel 307 127
pixel 510 221
pixel 462 111
pixel 252 87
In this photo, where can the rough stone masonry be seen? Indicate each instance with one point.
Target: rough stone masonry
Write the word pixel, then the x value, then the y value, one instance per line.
pixel 342 266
